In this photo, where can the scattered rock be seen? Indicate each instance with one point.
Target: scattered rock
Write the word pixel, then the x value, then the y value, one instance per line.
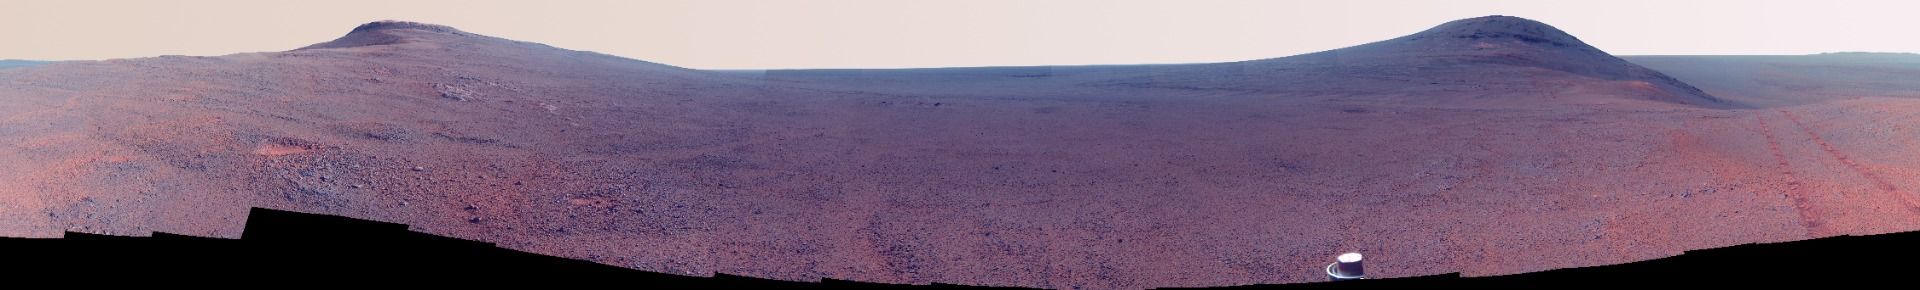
pixel 454 92
pixel 376 131
pixel 417 168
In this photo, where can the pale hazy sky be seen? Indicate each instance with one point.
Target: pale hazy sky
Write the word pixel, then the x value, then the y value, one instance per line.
pixel 716 34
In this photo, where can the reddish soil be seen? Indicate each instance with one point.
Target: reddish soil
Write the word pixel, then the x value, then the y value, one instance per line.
pixel 1486 146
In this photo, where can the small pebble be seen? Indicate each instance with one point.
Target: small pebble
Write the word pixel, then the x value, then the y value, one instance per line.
pixel 417 168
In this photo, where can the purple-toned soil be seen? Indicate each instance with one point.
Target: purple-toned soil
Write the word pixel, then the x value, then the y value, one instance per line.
pixel 1487 146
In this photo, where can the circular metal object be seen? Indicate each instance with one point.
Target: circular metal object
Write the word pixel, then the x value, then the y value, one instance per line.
pixel 1346 267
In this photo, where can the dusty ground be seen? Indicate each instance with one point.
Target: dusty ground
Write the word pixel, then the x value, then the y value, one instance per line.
pixel 1517 150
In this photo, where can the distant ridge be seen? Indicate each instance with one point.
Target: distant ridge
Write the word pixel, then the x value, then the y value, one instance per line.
pixel 1489 42
pixel 388 32
pixel 1499 27
pixel 1868 53
pixel 15 63
pixel 399 24
pixel 436 43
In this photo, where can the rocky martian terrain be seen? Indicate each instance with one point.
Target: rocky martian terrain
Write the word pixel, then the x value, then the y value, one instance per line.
pixel 1485 146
